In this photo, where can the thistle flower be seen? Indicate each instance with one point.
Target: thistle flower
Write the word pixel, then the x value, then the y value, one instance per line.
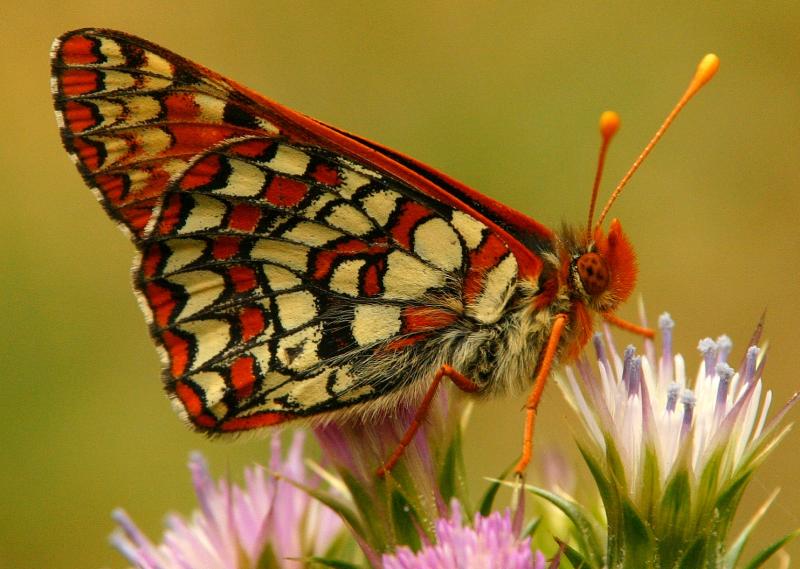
pixel 489 542
pixel 267 523
pixel 671 458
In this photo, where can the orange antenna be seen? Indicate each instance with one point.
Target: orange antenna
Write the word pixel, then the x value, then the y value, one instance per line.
pixel 705 71
pixel 609 125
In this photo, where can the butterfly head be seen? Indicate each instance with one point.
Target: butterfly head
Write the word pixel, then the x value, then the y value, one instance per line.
pixel 603 274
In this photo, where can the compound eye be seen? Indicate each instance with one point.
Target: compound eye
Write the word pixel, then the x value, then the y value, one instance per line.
pixel 593 272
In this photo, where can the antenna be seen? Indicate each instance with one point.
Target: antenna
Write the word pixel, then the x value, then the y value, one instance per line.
pixel 705 71
pixel 609 125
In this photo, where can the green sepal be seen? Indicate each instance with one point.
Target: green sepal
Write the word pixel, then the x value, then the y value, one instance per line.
pixel 342 547
pixel 530 528
pixel 671 522
pixel 587 531
pixel 576 558
pixel 452 467
pixel 708 487
pixel 731 493
pixel 649 491
pixel 638 541
pixel 762 556
pixel 730 496
pixel 405 521
pixel 615 464
pixel 487 500
pixel 695 556
pixel 735 550
pixel 334 563
pixel 268 559
pixel 350 516
pixel 610 496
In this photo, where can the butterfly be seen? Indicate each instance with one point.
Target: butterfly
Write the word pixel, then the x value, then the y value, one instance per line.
pixel 288 269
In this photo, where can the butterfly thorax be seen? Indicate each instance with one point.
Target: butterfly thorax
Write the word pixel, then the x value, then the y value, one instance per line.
pixel 579 278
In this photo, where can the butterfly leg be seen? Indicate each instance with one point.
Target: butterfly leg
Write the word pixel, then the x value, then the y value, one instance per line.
pixel 536 392
pixel 461 381
pixel 615 320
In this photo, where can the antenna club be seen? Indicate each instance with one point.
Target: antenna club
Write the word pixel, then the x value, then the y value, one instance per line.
pixel 609 124
pixel 706 69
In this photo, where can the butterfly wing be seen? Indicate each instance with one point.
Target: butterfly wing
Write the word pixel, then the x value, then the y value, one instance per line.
pixel 287 269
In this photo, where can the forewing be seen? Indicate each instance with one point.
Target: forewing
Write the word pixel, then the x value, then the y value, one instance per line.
pixel 286 269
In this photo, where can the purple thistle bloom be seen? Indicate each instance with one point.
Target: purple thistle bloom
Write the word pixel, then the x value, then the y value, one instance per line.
pixel 490 542
pixel 236 527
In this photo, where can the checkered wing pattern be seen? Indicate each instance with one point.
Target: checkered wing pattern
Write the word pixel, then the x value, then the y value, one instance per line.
pixel 286 269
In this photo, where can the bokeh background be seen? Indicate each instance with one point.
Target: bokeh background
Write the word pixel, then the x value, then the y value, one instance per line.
pixel 504 96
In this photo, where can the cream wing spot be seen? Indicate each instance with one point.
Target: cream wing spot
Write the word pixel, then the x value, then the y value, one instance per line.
pixel 351 182
pixel 311 391
pixel 347 388
pixel 116 148
pixel 146 143
pixel 211 339
pixel 212 109
pixel 469 228
pixel 375 322
pixel 112 53
pixel 408 278
pixel 298 351
pixel 153 141
pixel 306 392
pixel 111 111
pixel 313 234
pixel 343 381
pixel 280 278
pixel 267 126
pixel 263 355
pixel 345 278
pixel 296 308
pixel 117 80
pixel 360 168
pixel 207 213
pixel 314 207
pixel 349 219
pixel 498 285
pixel 244 180
pixel 437 242
pixel 380 205
pixel 291 255
pixel 114 80
pixel 289 160
pixel 213 386
pixel 202 290
pixel 158 65
pixel 142 109
pixel 183 252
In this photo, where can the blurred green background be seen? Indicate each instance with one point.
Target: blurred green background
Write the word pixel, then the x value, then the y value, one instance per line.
pixel 502 96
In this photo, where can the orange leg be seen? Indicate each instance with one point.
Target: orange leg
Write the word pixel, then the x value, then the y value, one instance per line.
pixel 536 393
pixel 615 320
pixel 462 382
